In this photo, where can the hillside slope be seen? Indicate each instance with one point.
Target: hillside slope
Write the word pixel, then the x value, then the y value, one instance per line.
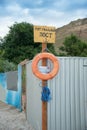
pixel 78 27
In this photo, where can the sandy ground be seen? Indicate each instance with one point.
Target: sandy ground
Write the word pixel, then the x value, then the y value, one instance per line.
pixel 12 119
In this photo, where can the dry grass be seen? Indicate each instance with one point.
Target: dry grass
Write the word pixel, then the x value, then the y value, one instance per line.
pixel 79 28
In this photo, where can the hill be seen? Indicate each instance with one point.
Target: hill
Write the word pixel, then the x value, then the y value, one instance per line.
pixel 78 27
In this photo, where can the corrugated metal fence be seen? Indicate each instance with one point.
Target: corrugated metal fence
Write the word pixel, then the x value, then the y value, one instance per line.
pixel 33 99
pixel 68 108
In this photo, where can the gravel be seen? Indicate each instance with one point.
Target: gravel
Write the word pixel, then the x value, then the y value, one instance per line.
pixel 12 119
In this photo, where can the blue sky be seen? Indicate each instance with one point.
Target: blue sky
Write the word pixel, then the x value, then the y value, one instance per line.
pixel 40 12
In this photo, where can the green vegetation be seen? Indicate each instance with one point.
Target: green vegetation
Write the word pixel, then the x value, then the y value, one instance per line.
pixel 6 66
pixel 73 46
pixel 19 44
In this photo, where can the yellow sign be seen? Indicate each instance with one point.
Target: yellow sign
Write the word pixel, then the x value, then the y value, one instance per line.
pixel 44 34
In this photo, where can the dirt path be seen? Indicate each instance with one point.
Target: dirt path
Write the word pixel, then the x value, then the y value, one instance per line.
pixel 12 119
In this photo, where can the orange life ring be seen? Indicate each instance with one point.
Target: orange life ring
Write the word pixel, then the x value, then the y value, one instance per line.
pixel 49 75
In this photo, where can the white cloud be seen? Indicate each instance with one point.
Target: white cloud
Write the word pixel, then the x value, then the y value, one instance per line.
pixel 37 16
pixel 5 23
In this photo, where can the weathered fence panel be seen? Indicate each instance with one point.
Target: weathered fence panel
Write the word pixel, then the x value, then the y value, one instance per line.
pixel 2 87
pixel 68 108
pixel 33 99
pixel 11 87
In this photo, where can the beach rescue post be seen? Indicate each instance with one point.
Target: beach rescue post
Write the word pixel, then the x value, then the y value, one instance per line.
pixel 44 35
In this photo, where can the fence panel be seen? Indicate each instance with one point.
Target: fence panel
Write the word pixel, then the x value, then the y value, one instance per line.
pixel 2 87
pixel 67 109
pixel 33 98
pixel 11 87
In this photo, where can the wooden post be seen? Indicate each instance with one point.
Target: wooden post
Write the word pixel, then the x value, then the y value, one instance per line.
pixel 24 96
pixel 44 104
